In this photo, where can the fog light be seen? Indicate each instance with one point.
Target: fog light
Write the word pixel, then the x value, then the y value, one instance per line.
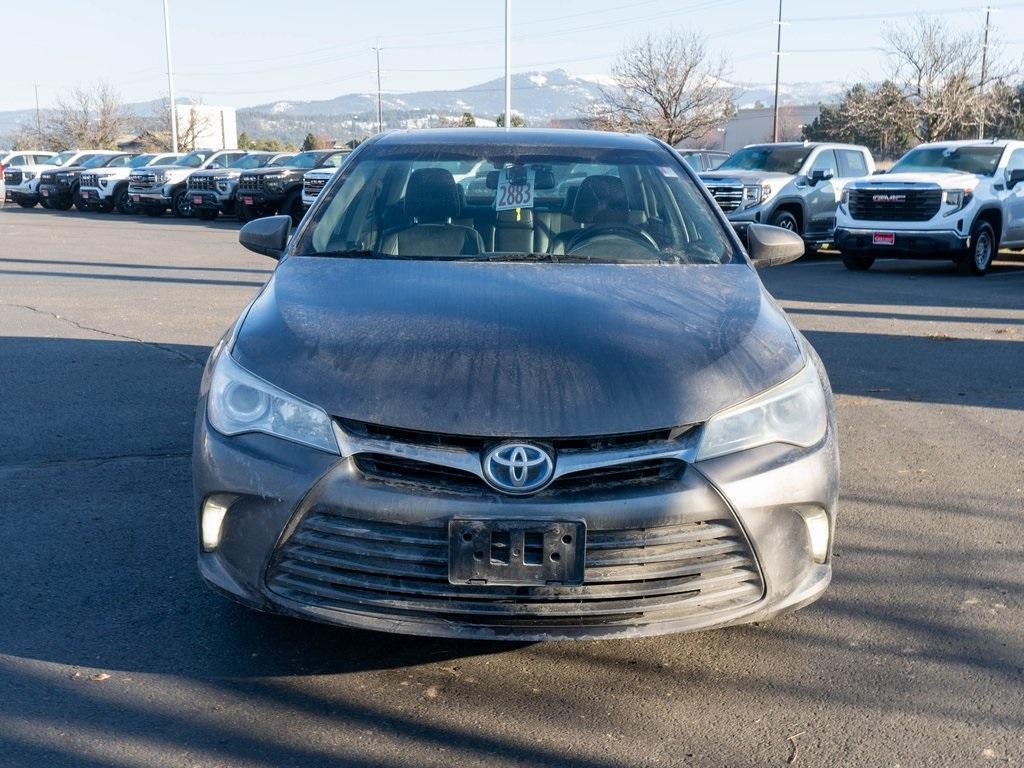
pixel 818 530
pixel 212 518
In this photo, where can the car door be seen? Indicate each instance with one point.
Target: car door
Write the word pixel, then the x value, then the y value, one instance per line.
pixel 822 198
pixel 1014 225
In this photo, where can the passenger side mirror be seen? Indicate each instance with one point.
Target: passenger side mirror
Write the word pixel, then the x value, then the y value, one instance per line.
pixel 770 246
pixel 267 236
pixel 1015 177
pixel 821 174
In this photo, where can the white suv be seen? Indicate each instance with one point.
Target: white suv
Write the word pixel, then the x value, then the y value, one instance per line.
pixel 23 182
pixel 105 189
pixel 958 200
pixel 12 161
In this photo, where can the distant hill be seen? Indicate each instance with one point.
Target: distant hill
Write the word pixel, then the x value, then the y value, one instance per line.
pixel 540 97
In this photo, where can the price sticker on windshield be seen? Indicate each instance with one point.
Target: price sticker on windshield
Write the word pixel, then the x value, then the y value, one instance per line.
pixel 515 189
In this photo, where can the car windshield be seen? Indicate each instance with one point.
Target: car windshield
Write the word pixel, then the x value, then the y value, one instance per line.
pixel 520 203
pixel 250 161
pixel 192 159
pixel 140 161
pixel 61 159
pixel 95 161
pixel 305 160
pixel 980 161
pixel 768 159
pixel 283 160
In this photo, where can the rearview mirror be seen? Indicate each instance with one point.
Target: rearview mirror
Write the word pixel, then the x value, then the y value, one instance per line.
pixel 821 174
pixel 770 246
pixel 1014 177
pixel 267 236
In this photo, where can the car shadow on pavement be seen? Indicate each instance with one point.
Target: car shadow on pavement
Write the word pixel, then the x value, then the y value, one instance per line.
pixel 224 222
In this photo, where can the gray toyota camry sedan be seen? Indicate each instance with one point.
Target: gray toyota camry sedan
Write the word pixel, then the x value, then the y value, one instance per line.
pixel 519 385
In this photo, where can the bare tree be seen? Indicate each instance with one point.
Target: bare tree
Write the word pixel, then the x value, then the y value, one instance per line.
pixel 667 86
pixel 94 118
pixel 939 73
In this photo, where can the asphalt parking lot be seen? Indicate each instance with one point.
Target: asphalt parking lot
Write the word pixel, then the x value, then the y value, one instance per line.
pixel 113 653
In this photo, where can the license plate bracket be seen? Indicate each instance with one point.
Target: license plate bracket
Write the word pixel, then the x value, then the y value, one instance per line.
pixel 246 201
pixel 519 553
pixel 883 238
pixel 197 199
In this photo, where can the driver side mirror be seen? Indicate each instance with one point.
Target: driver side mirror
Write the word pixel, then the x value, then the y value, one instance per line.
pixel 267 236
pixel 821 174
pixel 1014 177
pixel 770 246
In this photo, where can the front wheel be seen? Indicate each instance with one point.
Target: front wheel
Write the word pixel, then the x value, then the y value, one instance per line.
pixel 785 220
pixel 293 207
pixel 182 204
pixel 858 263
pixel 123 202
pixel 983 249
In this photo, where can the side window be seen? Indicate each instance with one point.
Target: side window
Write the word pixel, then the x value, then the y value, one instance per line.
pixel 334 160
pixel 1016 161
pixel 694 162
pixel 40 159
pixel 119 162
pixel 20 160
pixel 851 163
pixel 826 161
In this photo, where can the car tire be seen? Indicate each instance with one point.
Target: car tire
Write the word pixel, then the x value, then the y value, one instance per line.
pixel 858 263
pixel 181 204
pixel 60 204
pixel 785 220
pixel 292 206
pixel 246 213
pixel 78 202
pixel 206 214
pixel 983 249
pixel 123 202
pixel 27 203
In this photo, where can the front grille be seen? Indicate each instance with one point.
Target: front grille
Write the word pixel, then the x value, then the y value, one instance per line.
pixel 728 196
pixel 894 204
pixel 395 570
pixel 202 182
pixel 48 178
pixel 313 186
pixel 141 181
pixel 13 178
pixel 250 182
pixel 90 180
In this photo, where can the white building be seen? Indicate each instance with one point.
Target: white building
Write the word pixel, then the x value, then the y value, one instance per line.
pixel 213 127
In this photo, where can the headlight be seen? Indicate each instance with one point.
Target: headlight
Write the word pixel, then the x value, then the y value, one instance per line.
pixel 793 412
pixel 104 182
pixel 27 176
pixel 845 199
pixel 241 402
pixel 957 198
pixel 755 194
pixel 161 177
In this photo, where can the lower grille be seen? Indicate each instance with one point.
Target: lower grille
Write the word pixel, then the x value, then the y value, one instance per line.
pixel 201 182
pixel 250 183
pixel 312 187
pixel 142 181
pixel 401 571
pixel 48 178
pixel 728 197
pixel 894 204
pixel 90 180
pixel 13 178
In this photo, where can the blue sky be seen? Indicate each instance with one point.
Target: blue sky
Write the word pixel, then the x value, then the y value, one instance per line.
pixel 241 52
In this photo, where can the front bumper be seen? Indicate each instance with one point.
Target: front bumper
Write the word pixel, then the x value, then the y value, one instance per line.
pixel 54 192
pixel 310 535
pixel 210 200
pixel 917 243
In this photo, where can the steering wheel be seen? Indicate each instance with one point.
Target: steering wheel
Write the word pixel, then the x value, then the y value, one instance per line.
pixel 628 233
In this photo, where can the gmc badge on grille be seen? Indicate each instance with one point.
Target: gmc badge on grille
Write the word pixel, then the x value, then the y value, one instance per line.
pixel 888 198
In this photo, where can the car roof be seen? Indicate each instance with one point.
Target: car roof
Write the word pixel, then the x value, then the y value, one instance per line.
pixel 972 143
pixel 808 144
pixel 499 137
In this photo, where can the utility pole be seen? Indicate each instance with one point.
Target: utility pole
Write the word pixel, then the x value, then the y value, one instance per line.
pixel 39 123
pixel 508 65
pixel 170 80
pixel 778 62
pixel 984 73
pixel 380 108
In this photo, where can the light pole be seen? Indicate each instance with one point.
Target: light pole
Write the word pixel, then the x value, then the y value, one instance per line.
pixel 170 80
pixel 39 123
pixel 508 65
pixel 778 62
pixel 984 72
pixel 380 108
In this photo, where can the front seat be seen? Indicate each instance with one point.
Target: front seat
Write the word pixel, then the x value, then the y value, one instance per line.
pixel 432 200
pixel 600 201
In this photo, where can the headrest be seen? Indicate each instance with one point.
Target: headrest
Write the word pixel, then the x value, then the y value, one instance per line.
pixel 509 219
pixel 432 196
pixel 601 200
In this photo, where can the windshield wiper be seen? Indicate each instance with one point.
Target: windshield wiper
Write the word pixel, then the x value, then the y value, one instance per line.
pixel 354 253
pixel 513 257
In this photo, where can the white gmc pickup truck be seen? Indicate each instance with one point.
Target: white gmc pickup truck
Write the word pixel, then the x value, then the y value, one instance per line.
pixel 958 200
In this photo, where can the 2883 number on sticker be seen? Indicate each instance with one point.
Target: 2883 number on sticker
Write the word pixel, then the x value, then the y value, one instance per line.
pixel 515 196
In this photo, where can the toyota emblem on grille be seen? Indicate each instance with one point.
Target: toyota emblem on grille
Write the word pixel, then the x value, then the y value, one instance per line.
pixel 518 468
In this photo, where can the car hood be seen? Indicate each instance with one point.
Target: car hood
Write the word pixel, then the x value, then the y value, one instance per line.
pixel 274 169
pixel 744 177
pixel 945 180
pixel 168 169
pixel 514 349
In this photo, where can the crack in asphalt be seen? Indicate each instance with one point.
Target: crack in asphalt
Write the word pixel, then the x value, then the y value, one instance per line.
pixel 95 460
pixel 113 334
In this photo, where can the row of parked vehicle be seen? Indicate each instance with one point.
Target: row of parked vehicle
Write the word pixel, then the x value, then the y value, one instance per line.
pixel 204 183
pixel 959 200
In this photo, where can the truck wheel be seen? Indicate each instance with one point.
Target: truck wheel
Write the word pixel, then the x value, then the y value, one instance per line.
pixel 27 202
pixel 123 201
pixel 246 213
pixel 60 204
pixel 181 203
pixel 983 250
pixel 292 206
pixel 785 220
pixel 858 263
pixel 77 201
